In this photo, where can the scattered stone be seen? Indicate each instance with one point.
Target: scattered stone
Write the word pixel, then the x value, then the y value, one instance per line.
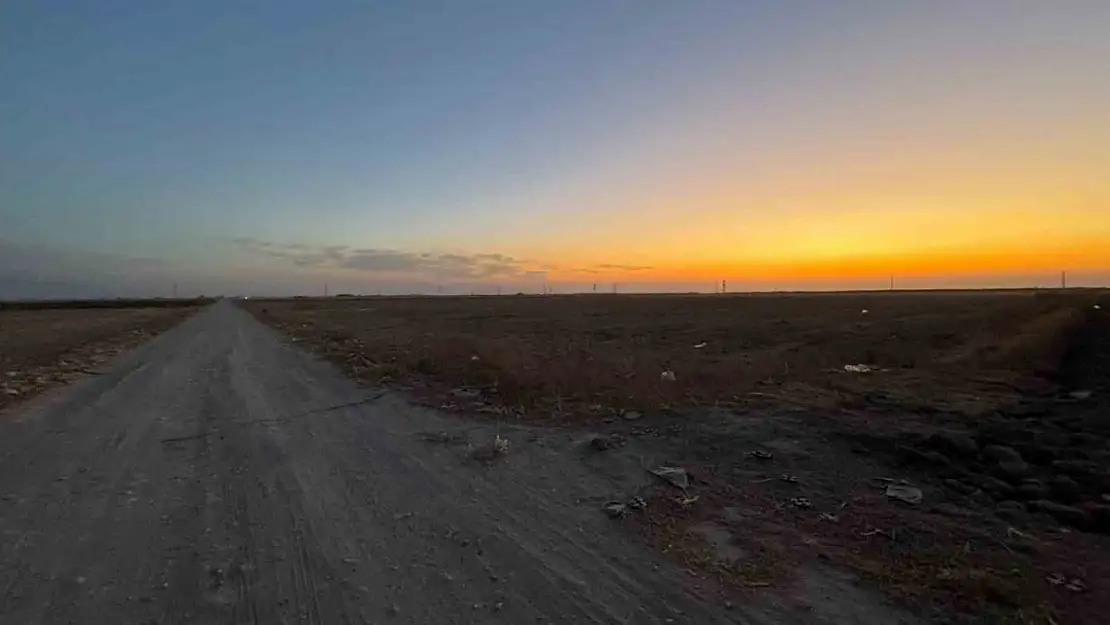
pixel 954 443
pixel 903 493
pixel 959 486
pixel 700 345
pixel 995 486
pixel 761 455
pixel 637 503
pixel 789 479
pixel 1033 489
pixel 674 476
pixel 1065 489
pixel 632 415
pixel 1012 469
pixel 1010 509
pixel 952 510
pixel 1039 453
pixel 1075 467
pixel 801 503
pixel 668 376
pixel 1080 395
pixel 1068 515
pixel 605 442
pixel 1001 453
pixel 927 457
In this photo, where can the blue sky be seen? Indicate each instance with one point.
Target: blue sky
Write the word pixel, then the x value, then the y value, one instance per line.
pixel 397 145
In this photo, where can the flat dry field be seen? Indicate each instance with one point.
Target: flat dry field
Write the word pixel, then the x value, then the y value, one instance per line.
pixel 992 405
pixel 41 348
pixel 576 356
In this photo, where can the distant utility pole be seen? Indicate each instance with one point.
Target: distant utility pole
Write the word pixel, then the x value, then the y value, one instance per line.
pixel 892 283
pixel 499 290
pixel 595 287
pixel 175 290
pixel 614 288
pixel 1063 279
pixel 325 289
pixel 724 286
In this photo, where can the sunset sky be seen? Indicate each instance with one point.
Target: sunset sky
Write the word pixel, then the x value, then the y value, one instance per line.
pixel 274 146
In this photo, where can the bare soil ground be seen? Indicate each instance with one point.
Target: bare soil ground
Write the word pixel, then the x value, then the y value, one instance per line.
pixel 993 407
pixel 42 348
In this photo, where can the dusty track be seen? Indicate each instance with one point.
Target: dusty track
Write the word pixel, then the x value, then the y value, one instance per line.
pixel 217 475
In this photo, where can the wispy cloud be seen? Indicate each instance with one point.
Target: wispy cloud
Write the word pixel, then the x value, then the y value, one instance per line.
pixel 611 267
pixel 456 266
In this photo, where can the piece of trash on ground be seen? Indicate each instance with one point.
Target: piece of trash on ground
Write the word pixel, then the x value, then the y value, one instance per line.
pixel 1073 584
pixel 674 476
pixel 687 501
pixel 700 345
pixel 789 479
pixel 615 509
pixel 801 503
pixel 860 369
pixel 761 455
pixel 907 494
pixel 667 376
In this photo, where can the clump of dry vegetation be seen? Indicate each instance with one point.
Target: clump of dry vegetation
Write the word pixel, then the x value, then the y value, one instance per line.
pixel 967 352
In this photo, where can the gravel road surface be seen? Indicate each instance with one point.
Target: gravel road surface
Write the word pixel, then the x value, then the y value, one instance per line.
pixel 220 475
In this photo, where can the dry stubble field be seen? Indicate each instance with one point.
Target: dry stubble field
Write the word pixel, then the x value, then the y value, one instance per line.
pixel 994 405
pixel 48 344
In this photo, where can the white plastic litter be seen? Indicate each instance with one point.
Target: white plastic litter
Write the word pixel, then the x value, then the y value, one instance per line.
pixel 863 312
pixel 667 376
pixel 859 368
pixel 703 344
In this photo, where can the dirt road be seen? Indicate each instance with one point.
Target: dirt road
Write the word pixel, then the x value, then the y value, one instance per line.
pixel 217 475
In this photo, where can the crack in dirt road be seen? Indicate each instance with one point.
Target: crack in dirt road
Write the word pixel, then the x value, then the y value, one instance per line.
pixel 133 500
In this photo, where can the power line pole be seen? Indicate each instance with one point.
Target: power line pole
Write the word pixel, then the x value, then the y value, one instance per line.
pixel 724 286
pixel 1063 279
pixel 325 289
pixel 892 283
pixel 175 290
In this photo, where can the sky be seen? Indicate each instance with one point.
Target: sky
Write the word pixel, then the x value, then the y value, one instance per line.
pixel 284 147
